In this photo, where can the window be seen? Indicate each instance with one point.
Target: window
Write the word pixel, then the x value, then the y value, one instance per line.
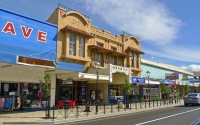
pixel 100 59
pixel 137 60
pixel 72 44
pixel 99 44
pixel 114 60
pixel 132 59
pixel 81 47
pixel 113 49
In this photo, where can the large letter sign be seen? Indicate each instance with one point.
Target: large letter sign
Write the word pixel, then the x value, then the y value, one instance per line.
pixel 9 27
pixel 26 32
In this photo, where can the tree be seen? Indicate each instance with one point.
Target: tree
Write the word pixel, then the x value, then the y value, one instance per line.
pixel 198 88
pixel 163 88
pixel 46 82
pixel 186 89
pixel 127 88
pixel 46 87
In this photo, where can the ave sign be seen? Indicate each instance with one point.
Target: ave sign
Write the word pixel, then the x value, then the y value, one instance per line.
pixel 26 31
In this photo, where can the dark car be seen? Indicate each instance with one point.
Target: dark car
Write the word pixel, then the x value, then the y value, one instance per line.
pixel 196 122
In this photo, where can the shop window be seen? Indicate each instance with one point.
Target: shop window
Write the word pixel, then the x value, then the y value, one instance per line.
pixel 81 47
pixel 116 93
pixel 65 93
pixel 72 44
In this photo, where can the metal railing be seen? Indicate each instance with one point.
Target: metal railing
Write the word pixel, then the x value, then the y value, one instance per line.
pixel 69 9
pixel 67 112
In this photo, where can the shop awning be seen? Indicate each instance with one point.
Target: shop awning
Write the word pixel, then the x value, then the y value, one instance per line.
pixel 134 50
pixel 35 62
pixel 82 76
pixel 76 31
pixel 104 50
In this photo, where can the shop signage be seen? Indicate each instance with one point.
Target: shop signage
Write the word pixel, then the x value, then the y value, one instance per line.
pixel 119 69
pixel 138 80
pixel 172 76
pixel 9 27
pixel 166 81
pixel 33 61
pixel 68 81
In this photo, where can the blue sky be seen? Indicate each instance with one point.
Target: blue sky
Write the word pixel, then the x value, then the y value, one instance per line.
pixel 168 29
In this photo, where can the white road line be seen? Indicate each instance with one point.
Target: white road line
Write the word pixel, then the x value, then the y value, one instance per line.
pixel 167 117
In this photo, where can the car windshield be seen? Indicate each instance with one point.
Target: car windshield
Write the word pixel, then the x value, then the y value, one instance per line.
pixel 192 95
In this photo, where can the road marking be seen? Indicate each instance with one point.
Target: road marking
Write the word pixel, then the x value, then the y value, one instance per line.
pixel 167 117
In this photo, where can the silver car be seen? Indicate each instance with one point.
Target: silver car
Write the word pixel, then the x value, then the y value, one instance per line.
pixel 192 98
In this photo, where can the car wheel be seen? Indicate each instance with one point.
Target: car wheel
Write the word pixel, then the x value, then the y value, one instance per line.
pixel 186 105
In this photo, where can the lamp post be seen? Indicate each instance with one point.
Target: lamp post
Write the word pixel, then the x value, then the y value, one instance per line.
pixel 97 64
pixel 148 75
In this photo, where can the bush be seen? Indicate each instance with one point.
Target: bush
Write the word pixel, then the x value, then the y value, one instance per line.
pixel 155 99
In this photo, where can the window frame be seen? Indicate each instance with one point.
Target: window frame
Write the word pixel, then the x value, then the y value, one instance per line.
pixel 83 46
pixel 72 43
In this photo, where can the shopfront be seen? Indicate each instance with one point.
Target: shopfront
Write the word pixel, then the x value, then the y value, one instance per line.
pixel 28 48
pixel 137 88
pixel 71 91
pixel 116 93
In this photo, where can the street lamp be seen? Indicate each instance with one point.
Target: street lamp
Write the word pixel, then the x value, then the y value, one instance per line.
pixel 148 74
pixel 97 64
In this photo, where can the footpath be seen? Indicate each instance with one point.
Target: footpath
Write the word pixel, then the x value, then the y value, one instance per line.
pixel 37 118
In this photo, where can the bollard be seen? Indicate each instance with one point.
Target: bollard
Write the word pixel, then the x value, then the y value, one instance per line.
pixel 77 110
pixel 145 103
pixel 53 112
pixel 65 108
pixel 111 108
pixel 118 106
pixel 157 102
pixel 104 108
pixel 153 102
pixel 160 103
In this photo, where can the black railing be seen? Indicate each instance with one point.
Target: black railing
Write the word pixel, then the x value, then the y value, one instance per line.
pixel 69 9
pixel 67 112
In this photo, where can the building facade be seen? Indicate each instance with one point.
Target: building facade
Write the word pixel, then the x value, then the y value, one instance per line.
pixel 28 48
pixel 113 57
pixel 162 73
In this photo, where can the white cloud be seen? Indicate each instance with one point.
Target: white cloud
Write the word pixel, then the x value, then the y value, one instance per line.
pixel 176 52
pixel 191 68
pixel 148 20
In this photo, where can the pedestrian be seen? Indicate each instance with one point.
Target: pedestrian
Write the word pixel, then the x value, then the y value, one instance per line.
pixel 93 97
pixel 101 97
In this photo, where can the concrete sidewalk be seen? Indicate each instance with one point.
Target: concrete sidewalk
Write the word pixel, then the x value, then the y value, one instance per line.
pixel 38 117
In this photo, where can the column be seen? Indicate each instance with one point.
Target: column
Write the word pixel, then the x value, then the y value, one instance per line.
pixel 53 89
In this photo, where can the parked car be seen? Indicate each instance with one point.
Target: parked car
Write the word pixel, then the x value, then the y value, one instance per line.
pixel 196 122
pixel 192 99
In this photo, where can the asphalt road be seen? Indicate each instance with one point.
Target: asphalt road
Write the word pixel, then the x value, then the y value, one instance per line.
pixel 178 115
